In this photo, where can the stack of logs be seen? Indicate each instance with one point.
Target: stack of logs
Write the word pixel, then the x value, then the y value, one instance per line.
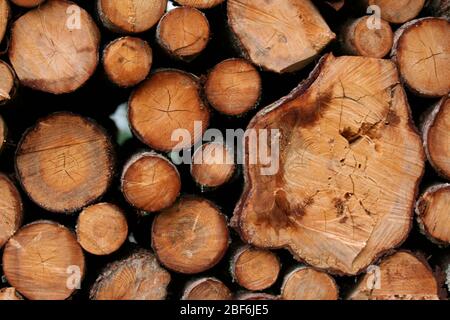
pixel 357 187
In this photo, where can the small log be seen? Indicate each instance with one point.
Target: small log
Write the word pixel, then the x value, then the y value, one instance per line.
pixel 279 35
pixel 44 261
pixel 127 61
pixel 359 40
pixel 5 12
pixel 11 214
pixel 339 153
pixel 401 276
pixel 102 229
pixel 398 11
pixel 200 4
pixel 435 128
pixel 150 182
pixel 191 236
pixel 432 211
pixel 9 294
pixel 27 3
pixel 422 53
pixel 305 283
pixel 169 101
pixel 8 83
pixel 206 289
pixel 130 16
pixel 440 8
pixel 213 165
pixel 137 277
pixel 62 60
pixel 233 87
pixel 255 269
pixel 183 33
pixel 65 162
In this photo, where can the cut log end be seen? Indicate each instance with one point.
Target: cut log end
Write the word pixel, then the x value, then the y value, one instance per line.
pixel 361 39
pixel 255 269
pixel 137 277
pixel 207 289
pixel 213 165
pixel 422 53
pixel 167 103
pixel 191 236
pixel 398 11
pixel 401 276
pixel 127 61
pixel 45 254
pixel 150 182
pixel 102 229
pixel 65 162
pixel 263 31
pixel 8 83
pixel 9 294
pixel 304 283
pixel 342 152
pixel 233 87
pixel 200 4
pixel 433 215
pixel 183 32
pixel 4 17
pixel 70 47
pixel 130 16
pixel 12 209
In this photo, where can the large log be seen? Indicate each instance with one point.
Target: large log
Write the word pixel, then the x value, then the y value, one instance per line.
pixel 349 164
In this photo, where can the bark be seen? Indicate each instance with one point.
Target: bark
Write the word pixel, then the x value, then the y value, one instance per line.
pixel 150 182
pixel 340 152
pixel 12 209
pixel 421 52
pixel 200 233
pixel 440 8
pixel 49 257
pixel 264 32
pixel 206 289
pixel 9 294
pixel 54 63
pixel 65 162
pixel 233 87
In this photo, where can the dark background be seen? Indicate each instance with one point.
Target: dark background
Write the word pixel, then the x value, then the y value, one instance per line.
pixel 98 99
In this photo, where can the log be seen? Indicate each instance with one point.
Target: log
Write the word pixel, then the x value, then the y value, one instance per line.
pixel 9 294
pixel 435 128
pixel 206 289
pixel 102 229
pixel 440 8
pixel 44 261
pixel 305 283
pixel 65 58
pixel 399 11
pixel 150 182
pixel 27 3
pixel 212 165
pixel 401 276
pixel 137 277
pixel 191 236
pixel 8 83
pixel 255 269
pixel 65 162
pixel 422 52
pixel 12 209
pixel 5 13
pixel 200 4
pixel 280 36
pixel 432 213
pixel 358 40
pixel 233 87
pixel 127 61
pixel 130 16
pixel 169 100
pixel 183 33
pixel 340 154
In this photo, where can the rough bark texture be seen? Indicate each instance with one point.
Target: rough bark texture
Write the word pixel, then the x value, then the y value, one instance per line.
pixel 11 213
pixel 52 52
pixel 65 162
pixel 206 289
pixel 40 259
pixel 401 276
pixel 440 8
pixel 265 32
pixel 422 53
pixel 350 161
pixel 398 11
pixel 137 277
